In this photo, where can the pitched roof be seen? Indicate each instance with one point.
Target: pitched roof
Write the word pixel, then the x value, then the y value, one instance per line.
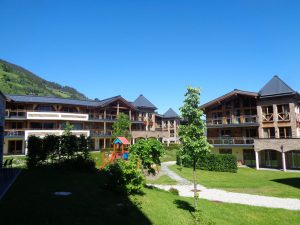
pixel 228 95
pixel 142 102
pixel 65 101
pixel 276 87
pixel 51 100
pixel 122 140
pixel 170 114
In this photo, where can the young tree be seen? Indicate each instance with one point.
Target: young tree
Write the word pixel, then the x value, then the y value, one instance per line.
pixel 192 133
pixel 121 127
pixel 149 152
pixel 68 128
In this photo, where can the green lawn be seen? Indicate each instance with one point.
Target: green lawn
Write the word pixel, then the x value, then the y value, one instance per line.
pixel 19 161
pixel 162 180
pixel 170 155
pixel 97 156
pixel 30 201
pixel 269 183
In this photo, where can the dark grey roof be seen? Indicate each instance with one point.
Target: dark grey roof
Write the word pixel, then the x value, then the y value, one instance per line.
pixel 170 114
pixel 52 100
pixel 276 87
pixel 142 102
pixel 65 101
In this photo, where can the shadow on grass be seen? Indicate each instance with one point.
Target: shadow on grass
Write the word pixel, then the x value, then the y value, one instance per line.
pixel 184 205
pixel 293 182
pixel 31 201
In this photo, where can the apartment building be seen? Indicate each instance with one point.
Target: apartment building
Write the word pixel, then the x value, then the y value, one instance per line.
pixel 41 116
pixel 262 129
pixel 2 113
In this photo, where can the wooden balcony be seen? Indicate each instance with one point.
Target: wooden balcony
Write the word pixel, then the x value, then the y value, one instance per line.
pixel 283 117
pixel 236 121
pixel 268 118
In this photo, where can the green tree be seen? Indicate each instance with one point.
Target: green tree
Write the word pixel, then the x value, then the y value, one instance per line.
pixel 148 152
pixel 121 128
pixel 192 133
pixel 68 128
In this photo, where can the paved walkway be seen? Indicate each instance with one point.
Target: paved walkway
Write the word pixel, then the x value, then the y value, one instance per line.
pixel 185 188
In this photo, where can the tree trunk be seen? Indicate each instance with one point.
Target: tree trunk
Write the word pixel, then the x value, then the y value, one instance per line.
pixel 195 185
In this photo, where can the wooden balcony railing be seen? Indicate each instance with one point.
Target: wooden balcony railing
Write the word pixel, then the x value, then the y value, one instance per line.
pixel 231 141
pixel 283 116
pixel 246 119
pixel 268 117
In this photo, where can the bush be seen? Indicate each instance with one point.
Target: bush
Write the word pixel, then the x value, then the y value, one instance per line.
pixel 174 191
pixel 213 162
pixel 67 151
pixel 124 176
pixel 35 153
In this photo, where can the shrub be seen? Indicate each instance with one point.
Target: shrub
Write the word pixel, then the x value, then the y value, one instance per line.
pixel 213 162
pixel 174 191
pixel 51 146
pixel 35 152
pixel 124 176
pixel 69 145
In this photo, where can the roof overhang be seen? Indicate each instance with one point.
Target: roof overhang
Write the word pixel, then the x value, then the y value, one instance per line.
pixel 228 96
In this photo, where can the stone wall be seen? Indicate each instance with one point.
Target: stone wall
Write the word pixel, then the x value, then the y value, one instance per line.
pixel 148 134
pixel 280 145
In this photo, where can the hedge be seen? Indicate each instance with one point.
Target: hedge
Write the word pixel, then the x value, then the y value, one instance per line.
pixel 213 162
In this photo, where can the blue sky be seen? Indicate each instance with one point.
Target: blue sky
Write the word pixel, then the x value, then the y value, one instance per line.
pixel 157 47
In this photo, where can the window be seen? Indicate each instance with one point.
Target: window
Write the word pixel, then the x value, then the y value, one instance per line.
pixel 226 133
pixel 249 157
pixel 42 126
pixel 69 109
pixel 269 132
pixel 285 132
pixel 225 151
pixel 16 125
pixel 15 147
pixel 44 108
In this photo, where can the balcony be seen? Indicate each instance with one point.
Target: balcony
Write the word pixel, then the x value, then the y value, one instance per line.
pixel 38 115
pixel 101 133
pixel 237 121
pixel 268 118
pixel 284 117
pixel 231 141
pixel 14 133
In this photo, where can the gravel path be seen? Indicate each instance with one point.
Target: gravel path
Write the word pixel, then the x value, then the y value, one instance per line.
pixel 185 188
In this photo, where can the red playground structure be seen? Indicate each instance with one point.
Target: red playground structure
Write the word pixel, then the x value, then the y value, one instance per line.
pixel 121 145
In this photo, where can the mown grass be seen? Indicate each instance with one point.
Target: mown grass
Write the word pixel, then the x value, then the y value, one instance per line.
pixel 162 180
pixel 246 180
pixel 170 155
pixel 31 201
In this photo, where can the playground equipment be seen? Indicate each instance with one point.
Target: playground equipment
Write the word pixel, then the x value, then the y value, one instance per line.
pixel 121 145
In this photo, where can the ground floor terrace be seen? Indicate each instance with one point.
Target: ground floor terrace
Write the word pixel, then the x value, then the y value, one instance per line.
pixel 266 158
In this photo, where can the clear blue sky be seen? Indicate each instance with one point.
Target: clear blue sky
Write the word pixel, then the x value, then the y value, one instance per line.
pixel 158 47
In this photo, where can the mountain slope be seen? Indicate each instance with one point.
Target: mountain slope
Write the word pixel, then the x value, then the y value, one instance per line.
pixel 17 80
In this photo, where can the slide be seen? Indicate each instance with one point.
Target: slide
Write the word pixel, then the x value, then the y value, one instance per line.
pixel 107 159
